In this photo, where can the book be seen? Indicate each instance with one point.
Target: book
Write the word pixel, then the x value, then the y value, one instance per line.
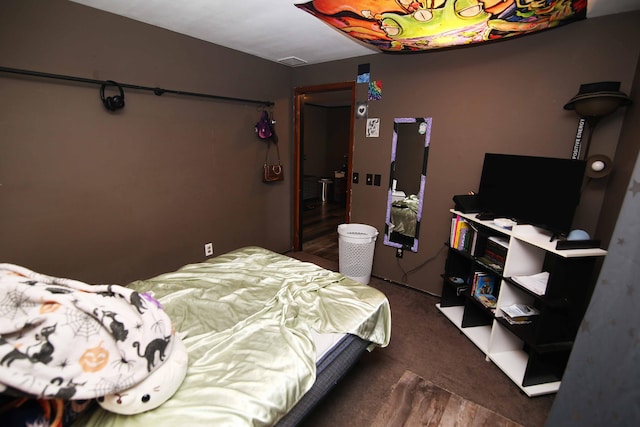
pixel 519 313
pixel 462 236
pixel 516 322
pixel 454 225
pixel 468 243
pixel 496 250
pixel 488 301
pixel 491 264
pixel 485 285
pixel 474 241
pixel 474 280
pixel 482 288
pixel 460 226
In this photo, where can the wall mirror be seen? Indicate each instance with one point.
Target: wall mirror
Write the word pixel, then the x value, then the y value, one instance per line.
pixel 409 155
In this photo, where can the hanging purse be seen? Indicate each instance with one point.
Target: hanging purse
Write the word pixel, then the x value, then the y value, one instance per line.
pixel 272 172
pixel 263 127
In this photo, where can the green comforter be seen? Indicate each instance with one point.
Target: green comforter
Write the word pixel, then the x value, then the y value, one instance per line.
pixel 248 316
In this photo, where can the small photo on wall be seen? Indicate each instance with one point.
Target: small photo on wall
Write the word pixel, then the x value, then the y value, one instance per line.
pixel 363 73
pixel 362 109
pixel 373 128
pixel 375 90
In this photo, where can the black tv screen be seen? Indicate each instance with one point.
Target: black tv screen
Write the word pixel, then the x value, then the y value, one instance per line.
pixel 540 191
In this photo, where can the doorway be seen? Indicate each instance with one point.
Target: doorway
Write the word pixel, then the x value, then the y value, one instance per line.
pixel 323 149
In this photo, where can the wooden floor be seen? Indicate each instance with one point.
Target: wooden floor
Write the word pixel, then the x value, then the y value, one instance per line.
pixel 417 402
pixel 320 228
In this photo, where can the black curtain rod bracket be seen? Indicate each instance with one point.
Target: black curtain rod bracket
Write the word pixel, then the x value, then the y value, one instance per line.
pixel 156 90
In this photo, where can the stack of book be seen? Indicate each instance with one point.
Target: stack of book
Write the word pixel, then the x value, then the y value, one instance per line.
pixel 518 314
pixel 482 287
pixel 495 253
pixel 463 235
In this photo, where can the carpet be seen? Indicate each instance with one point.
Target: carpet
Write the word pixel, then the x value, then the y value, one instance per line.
pixel 415 401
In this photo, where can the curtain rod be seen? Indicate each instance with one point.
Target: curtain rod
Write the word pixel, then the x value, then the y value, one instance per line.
pixel 156 90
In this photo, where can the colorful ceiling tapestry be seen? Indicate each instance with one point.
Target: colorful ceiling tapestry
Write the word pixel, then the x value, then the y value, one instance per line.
pixel 412 26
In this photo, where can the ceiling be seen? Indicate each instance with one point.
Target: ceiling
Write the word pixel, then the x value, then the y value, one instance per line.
pixel 275 30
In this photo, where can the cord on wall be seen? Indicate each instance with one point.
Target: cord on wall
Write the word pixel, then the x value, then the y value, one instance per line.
pixel 405 274
pixel 404 285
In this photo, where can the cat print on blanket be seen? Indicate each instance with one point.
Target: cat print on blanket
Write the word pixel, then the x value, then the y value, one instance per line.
pixel 158 345
pixel 66 392
pixel 117 328
pixel 40 352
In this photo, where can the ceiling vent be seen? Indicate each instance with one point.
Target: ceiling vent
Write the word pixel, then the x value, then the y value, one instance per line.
pixel 292 61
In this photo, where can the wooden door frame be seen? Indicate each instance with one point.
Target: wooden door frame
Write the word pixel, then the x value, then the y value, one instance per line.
pixel 299 94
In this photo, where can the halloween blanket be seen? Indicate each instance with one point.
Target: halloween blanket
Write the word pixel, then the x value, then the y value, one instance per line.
pixel 61 338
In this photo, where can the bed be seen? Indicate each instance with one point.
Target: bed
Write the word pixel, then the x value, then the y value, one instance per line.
pixel 267 337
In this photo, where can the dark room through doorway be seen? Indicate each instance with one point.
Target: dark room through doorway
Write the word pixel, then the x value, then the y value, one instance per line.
pixel 324 135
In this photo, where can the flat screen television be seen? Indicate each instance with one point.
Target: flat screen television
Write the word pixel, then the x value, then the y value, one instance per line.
pixel 540 191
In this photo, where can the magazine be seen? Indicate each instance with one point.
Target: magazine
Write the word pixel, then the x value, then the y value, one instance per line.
pixel 519 313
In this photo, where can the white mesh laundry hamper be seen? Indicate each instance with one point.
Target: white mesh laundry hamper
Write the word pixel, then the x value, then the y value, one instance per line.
pixel 356 243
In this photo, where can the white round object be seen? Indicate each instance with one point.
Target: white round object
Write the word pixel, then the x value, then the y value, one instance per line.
pixel 598 165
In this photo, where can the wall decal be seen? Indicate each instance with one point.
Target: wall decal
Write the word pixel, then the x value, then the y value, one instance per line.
pixel 362 109
pixel 373 128
pixel 375 90
pixel 410 26
pixel 363 73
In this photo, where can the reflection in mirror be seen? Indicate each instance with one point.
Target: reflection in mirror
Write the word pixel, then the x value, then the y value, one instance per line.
pixel 409 154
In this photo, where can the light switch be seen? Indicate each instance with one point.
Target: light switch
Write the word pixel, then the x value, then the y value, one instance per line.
pixel 376 179
pixel 369 179
pixel 356 177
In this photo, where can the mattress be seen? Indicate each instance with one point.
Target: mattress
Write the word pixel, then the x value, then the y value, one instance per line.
pixel 325 342
pixel 333 365
pixel 261 327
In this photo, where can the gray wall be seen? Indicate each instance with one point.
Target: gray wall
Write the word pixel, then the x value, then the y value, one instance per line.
pixel 114 197
pixel 502 97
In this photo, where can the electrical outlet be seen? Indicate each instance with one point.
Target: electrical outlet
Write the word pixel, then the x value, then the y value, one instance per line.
pixel 399 253
pixel 369 179
pixel 208 249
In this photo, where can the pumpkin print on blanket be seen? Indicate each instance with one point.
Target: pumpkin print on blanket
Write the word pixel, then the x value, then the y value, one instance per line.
pixel 94 359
